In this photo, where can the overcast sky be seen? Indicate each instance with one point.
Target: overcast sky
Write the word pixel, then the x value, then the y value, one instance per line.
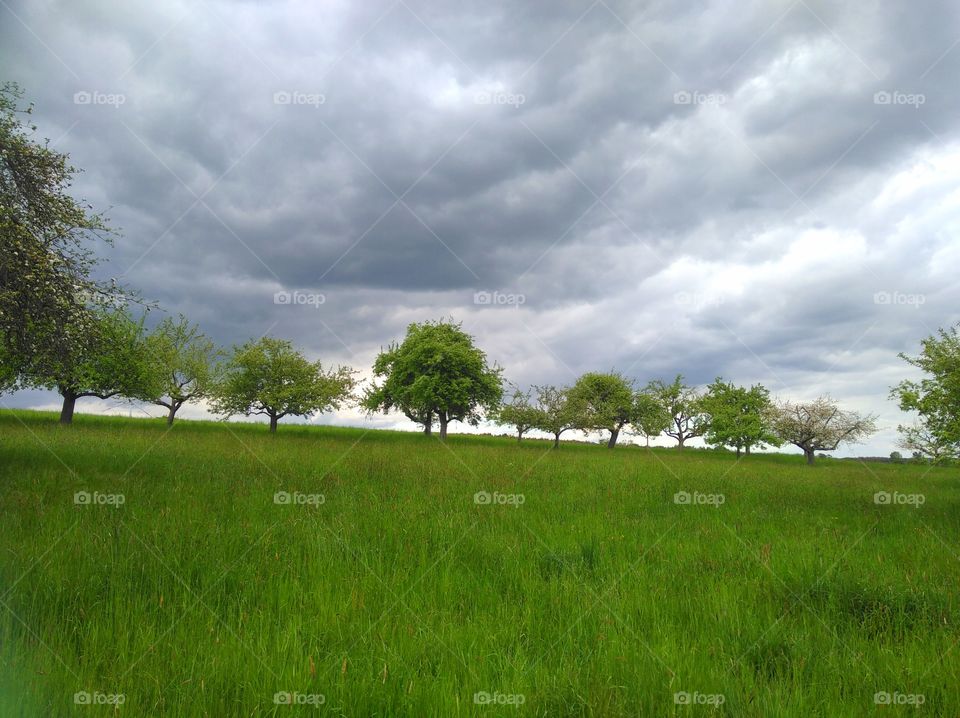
pixel 766 191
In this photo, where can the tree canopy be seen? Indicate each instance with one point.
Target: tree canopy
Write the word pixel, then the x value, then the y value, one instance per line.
pixel 435 373
pixel 936 398
pixel 738 416
pixel 605 402
pixel 269 377
pixel 819 425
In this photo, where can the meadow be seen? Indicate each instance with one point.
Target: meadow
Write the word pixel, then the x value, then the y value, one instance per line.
pixel 212 569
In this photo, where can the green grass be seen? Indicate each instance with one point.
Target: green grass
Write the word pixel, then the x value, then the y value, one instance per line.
pixel 399 595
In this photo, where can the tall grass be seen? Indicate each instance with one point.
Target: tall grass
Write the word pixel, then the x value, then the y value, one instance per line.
pixel 582 588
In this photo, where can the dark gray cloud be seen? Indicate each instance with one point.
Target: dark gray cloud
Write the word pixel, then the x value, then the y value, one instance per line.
pixel 764 191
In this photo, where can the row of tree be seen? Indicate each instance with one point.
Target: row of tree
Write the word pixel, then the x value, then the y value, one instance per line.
pixel 62 329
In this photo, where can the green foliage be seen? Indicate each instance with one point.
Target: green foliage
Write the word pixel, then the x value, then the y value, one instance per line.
pixel 605 402
pixel 183 364
pixel 682 404
pixel 269 377
pixel 936 398
pixel 103 353
pixel 738 416
pixel 650 417
pixel 435 373
pixel 518 413
pixel 45 244
pixel 556 411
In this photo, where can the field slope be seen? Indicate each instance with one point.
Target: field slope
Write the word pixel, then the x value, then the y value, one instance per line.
pixel 383 588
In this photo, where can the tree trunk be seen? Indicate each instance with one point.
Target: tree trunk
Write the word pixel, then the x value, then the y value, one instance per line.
pixel 747 449
pixel 273 423
pixel 443 427
pixel 556 441
pixel 614 433
pixel 738 452
pixel 680 441
pixel 810 456
pixel 648 440
pixel 172 413
pixel 69 403
pixel 428 428
pixel 519 435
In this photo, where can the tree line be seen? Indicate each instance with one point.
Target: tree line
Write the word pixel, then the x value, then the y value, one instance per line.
pixel 62 329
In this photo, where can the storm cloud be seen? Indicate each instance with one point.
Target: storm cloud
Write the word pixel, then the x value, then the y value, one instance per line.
pixel 763 190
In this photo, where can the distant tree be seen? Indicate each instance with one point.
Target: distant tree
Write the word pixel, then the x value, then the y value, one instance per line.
pixel 101 353
pixel 925 442
pixel 606 401
pixel 556 412
pixel 183 362
pixel 737 416
pixel 46 238
pixel 435 373
pixel 936 397
pixel 819 425
pixel 650 417
pixel 682 404
pixel 518 412
pixel 270 378
pixel 896 457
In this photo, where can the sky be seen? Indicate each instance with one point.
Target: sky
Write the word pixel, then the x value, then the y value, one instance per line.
pixel 764 191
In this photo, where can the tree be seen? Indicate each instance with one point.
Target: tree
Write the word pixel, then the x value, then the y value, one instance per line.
pixel 936 397
pixel 101 353
pixel 650 418
pixel 738 416
pixel 556 412
pixel 268 377
pixel 820 425
pixel 519 413
pixel 606 401
pixel 436 372
pixel 184 364
pixel 682 404
pixel 45 244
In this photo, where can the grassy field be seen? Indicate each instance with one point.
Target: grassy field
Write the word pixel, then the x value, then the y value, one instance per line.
pixel 386 587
